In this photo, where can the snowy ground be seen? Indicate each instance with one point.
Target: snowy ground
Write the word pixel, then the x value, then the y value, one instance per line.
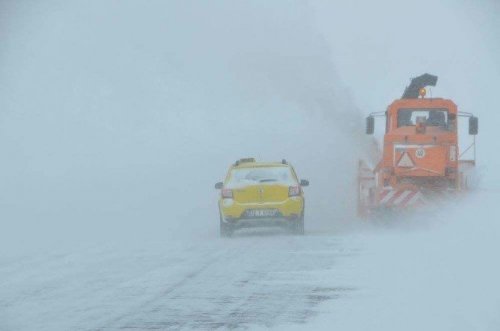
pixel 440 277
pixel 255 279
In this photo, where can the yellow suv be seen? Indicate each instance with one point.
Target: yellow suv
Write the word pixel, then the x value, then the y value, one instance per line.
pixel 261 194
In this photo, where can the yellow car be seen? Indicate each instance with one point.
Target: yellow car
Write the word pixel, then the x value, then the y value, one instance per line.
pixel 261 194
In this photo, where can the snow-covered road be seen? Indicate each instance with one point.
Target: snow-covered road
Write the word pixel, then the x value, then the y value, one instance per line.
pixel 264 278
pixel 428 273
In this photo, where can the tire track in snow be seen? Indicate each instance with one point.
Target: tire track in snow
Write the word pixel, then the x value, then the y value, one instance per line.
pixel 167 291
pixel 254 283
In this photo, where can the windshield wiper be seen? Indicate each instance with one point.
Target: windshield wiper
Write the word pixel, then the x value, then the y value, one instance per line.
pixel 267 180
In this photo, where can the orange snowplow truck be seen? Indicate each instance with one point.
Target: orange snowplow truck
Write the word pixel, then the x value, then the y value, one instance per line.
pixel 420 159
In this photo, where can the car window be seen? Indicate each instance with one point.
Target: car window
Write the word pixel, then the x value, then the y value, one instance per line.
pixel 258 175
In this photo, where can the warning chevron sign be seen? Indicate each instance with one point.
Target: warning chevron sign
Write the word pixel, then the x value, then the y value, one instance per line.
pixel 405 161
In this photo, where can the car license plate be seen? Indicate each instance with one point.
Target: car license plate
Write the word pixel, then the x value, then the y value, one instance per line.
pixel 261 212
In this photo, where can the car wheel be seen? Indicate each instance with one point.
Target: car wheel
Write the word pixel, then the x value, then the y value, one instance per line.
pixel 226 230
pixel 299 226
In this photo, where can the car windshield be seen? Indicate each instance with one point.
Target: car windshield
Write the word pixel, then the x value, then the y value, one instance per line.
pixel 431 117
pixel 242 176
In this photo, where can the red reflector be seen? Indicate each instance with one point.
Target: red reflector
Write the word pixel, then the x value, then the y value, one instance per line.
pixel 226 193
pixel 293 191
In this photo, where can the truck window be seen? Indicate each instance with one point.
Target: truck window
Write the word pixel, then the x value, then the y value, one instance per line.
pixel 431 116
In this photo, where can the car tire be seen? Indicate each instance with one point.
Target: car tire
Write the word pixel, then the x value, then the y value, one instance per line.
pixel 226 230
pixel 298 227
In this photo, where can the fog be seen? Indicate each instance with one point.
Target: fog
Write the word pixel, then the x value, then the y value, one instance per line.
pixel 118 117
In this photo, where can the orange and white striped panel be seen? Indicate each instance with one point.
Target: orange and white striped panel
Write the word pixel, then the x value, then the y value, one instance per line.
pixel 399 198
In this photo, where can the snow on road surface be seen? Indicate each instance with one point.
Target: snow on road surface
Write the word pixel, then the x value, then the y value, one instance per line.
pixel 442 275
pixel 263 278
pixel 438 275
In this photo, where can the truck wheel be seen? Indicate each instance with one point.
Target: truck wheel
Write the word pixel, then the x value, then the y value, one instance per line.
pixel 226 230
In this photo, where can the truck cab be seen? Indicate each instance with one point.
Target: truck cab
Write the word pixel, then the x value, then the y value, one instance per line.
pixel 420 144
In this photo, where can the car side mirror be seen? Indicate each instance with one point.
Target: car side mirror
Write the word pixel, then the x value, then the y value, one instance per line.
pixel 473 125
pixel 370 124
pixel 304 182
pixel 218 185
